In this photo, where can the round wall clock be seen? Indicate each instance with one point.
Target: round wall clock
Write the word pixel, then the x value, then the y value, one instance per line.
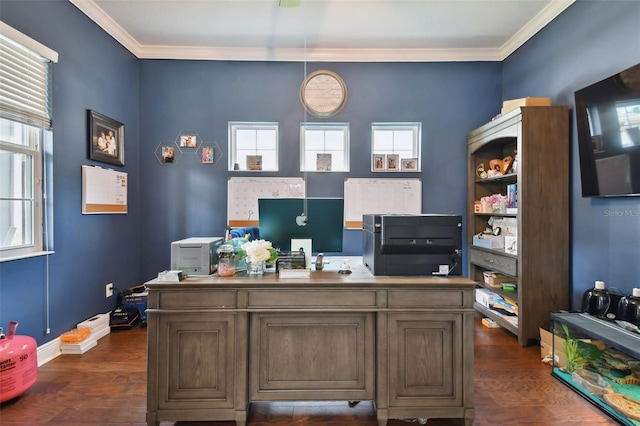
pixel 323 94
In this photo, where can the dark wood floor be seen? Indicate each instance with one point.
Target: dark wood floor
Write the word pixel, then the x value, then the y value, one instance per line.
pixel 107 386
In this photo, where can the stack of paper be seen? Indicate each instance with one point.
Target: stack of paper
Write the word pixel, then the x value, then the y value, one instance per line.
pixel 294 273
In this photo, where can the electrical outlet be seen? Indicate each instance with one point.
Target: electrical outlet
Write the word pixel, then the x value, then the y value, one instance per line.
pixel 108 290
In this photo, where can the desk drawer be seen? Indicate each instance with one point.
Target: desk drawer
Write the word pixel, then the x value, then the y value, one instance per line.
pixel 430 298
pixel 311 298
pixel 197 299
pixel 494 261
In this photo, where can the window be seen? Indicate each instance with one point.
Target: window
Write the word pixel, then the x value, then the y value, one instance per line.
pixel 396 139
pixel 25 123
pixel 629 122
pixel 324 147
pixel 253 146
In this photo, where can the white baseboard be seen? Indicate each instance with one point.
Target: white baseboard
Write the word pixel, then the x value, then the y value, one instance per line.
pixel 49 351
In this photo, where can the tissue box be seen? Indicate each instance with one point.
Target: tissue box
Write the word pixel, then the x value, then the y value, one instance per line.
pixel 489 241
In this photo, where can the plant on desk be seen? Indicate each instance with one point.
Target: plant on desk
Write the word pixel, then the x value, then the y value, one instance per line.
pixel 256 253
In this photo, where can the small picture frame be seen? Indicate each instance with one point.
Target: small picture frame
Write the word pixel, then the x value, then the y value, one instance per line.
pixel 106 139
pixel 409 164
pixel 188 141
pixel 379 163
pixel 207 155
pixel 254 162
pixel 323 162
pixel 393 162
pixel 168 154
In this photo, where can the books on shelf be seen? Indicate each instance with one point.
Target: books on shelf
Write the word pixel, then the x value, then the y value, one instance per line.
pixel 512 197
pixel 505 307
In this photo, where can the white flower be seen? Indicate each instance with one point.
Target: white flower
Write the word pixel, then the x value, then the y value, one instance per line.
pixel 258 251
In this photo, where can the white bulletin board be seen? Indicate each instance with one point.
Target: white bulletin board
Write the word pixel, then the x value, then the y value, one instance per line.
pixel 243 195
pixel 104 191
pixel 380 196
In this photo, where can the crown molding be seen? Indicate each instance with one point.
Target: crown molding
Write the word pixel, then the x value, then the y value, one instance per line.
pixel 111 27
pixel 102 19
pixel 545 16
pixel 317 55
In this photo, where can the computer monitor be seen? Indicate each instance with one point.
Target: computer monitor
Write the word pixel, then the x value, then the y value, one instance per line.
pixel 284 219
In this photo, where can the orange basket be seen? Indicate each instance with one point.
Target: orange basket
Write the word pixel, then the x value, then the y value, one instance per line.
pixel 76 335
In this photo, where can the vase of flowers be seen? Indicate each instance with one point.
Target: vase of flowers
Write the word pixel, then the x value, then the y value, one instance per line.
pixel 257 253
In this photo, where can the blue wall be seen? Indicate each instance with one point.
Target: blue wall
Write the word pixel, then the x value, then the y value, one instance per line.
pixel 158 99
pixel 187 199
pixel 94 72
pixel 590 41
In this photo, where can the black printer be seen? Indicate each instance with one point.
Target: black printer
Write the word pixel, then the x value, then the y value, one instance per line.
pixel 428 244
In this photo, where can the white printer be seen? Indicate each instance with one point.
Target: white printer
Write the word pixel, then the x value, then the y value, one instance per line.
pixel 196 256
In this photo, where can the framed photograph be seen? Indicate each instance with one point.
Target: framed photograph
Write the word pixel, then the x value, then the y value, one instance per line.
pixel 254 162
pixel 168 154
pixel 207 155
pixel 409 164
pixel 106 139
pixel 393 162
pixel 379 163
pixel 188 141
pixel 323 162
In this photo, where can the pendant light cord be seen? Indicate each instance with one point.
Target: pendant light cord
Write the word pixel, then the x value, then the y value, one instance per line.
pixel 304 21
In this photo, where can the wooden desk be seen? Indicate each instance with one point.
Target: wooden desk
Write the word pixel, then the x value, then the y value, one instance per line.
pixel 216 344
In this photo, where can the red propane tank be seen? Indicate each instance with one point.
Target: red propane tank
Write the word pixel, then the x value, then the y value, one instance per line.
pixel 18 364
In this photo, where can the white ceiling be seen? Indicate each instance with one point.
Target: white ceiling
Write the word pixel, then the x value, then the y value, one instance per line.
pixel 323 30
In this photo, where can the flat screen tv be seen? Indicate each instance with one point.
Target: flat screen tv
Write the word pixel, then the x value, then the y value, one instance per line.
pixel 608 132
pixel 318 219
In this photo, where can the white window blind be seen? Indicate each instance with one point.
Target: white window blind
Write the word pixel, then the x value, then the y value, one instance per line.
pixel 24 88
pixel 25 139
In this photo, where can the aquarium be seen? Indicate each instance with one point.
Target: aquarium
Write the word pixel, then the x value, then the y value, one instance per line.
pixel 599 359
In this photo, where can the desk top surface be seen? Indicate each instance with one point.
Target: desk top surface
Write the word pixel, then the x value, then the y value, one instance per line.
pixel 360 276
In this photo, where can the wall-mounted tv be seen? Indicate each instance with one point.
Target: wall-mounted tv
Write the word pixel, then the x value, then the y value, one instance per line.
pixel 608 131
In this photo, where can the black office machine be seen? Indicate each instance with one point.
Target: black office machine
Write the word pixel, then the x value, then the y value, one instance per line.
pixel 427 244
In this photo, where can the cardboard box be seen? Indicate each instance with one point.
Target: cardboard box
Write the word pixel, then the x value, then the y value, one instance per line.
pixel 495 279
pixel 489 323
pixel 547 340
pixel 510 105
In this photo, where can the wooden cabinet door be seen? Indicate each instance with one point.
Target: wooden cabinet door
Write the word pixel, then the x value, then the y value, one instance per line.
pixel 314 356
pixel 196 361
pixel 425 360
